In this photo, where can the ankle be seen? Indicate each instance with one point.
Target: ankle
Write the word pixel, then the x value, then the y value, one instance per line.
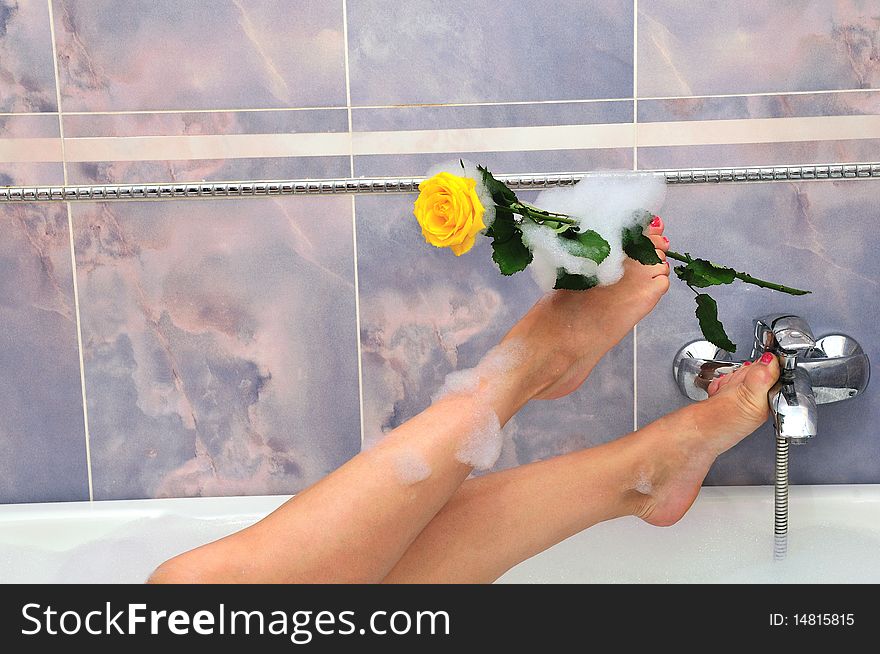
pixel 642 506
pixel 532 374
pixel 667 446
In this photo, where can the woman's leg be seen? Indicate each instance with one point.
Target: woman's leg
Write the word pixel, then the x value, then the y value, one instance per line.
pixel 356 523
pixel 353 525
pixel 494 522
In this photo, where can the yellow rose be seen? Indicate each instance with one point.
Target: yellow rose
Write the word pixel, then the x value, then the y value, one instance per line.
pixel 450 212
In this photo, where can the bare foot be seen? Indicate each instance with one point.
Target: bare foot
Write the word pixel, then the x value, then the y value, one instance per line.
pixel 583 325
pixel 688 441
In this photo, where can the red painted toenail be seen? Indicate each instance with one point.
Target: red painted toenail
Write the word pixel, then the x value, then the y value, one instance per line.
pixel 767 357
pixel 655 222
pixel 666 240
pixel 747 363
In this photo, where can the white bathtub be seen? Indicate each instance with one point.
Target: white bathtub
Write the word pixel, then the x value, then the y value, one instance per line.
pixel 727 536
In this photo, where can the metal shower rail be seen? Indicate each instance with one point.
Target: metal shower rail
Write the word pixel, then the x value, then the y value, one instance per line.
pixel 363 185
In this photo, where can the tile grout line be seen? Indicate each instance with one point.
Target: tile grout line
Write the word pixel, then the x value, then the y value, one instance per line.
pixel 635 332
pixel 758 94
pixel 79 339
pixel 357 296
pixel 635 377
pixel 635 85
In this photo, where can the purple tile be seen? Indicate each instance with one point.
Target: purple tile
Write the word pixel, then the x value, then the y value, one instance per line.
pixel 220 344
pixel 196 170
pixel 432 313
pixel 41 417
pixel 758 154
pixel 536 161
pixel 194 123
pixel 478 51
pixel 759 46
pixel 505 115
pixel 29 126
pixel 817 235
pixel 29 172
pixel 26 68
pixel 760 106
pixel 128 55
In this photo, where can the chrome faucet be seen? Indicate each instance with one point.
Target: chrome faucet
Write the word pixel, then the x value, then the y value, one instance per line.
pixel 829 369
pixel 814 371
pixel 792 401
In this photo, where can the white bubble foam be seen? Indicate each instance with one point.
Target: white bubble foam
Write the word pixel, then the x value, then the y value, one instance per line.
pixel 481 446
pixel 549 254
pixel 470 170
pixel 458 382
pixel 604 203
pixel 503 358
pixel 498 362
pixel 410 467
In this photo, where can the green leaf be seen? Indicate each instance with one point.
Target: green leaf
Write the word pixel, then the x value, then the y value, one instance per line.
pixel 588 245
pixel 508 249
pixel 570 282
pixel 498 190
pixel 701 273
pixel 713 330
pixel 638 246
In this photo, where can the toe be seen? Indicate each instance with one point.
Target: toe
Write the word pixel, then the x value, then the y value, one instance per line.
pixel 659 285
pixel 740 372
pixel 761 375
pixel 757 380
pixel 660 242
pixel 660 270
pixel 656 226
pixel 713 386
pixel 717 384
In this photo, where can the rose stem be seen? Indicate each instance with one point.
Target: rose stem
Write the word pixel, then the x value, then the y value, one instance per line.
pixel 748 279
pixel 528 211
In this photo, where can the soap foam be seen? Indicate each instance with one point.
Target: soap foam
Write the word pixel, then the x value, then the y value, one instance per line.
pixel 502 358
pixel 549 254
pixel 605 203
pixel 493 367
pixel 410 467
pixel 470 170
pixel 458 382
pixel 481 446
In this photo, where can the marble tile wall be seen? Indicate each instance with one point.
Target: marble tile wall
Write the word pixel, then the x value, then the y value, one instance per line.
pixel 212 347
pixel 219 344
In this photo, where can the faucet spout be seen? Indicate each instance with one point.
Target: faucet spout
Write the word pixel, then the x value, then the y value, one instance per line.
pixel 793 405
pixel 792 401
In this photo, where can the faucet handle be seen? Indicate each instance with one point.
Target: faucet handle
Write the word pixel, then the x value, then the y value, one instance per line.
pixel 793 334
pixel 786 335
